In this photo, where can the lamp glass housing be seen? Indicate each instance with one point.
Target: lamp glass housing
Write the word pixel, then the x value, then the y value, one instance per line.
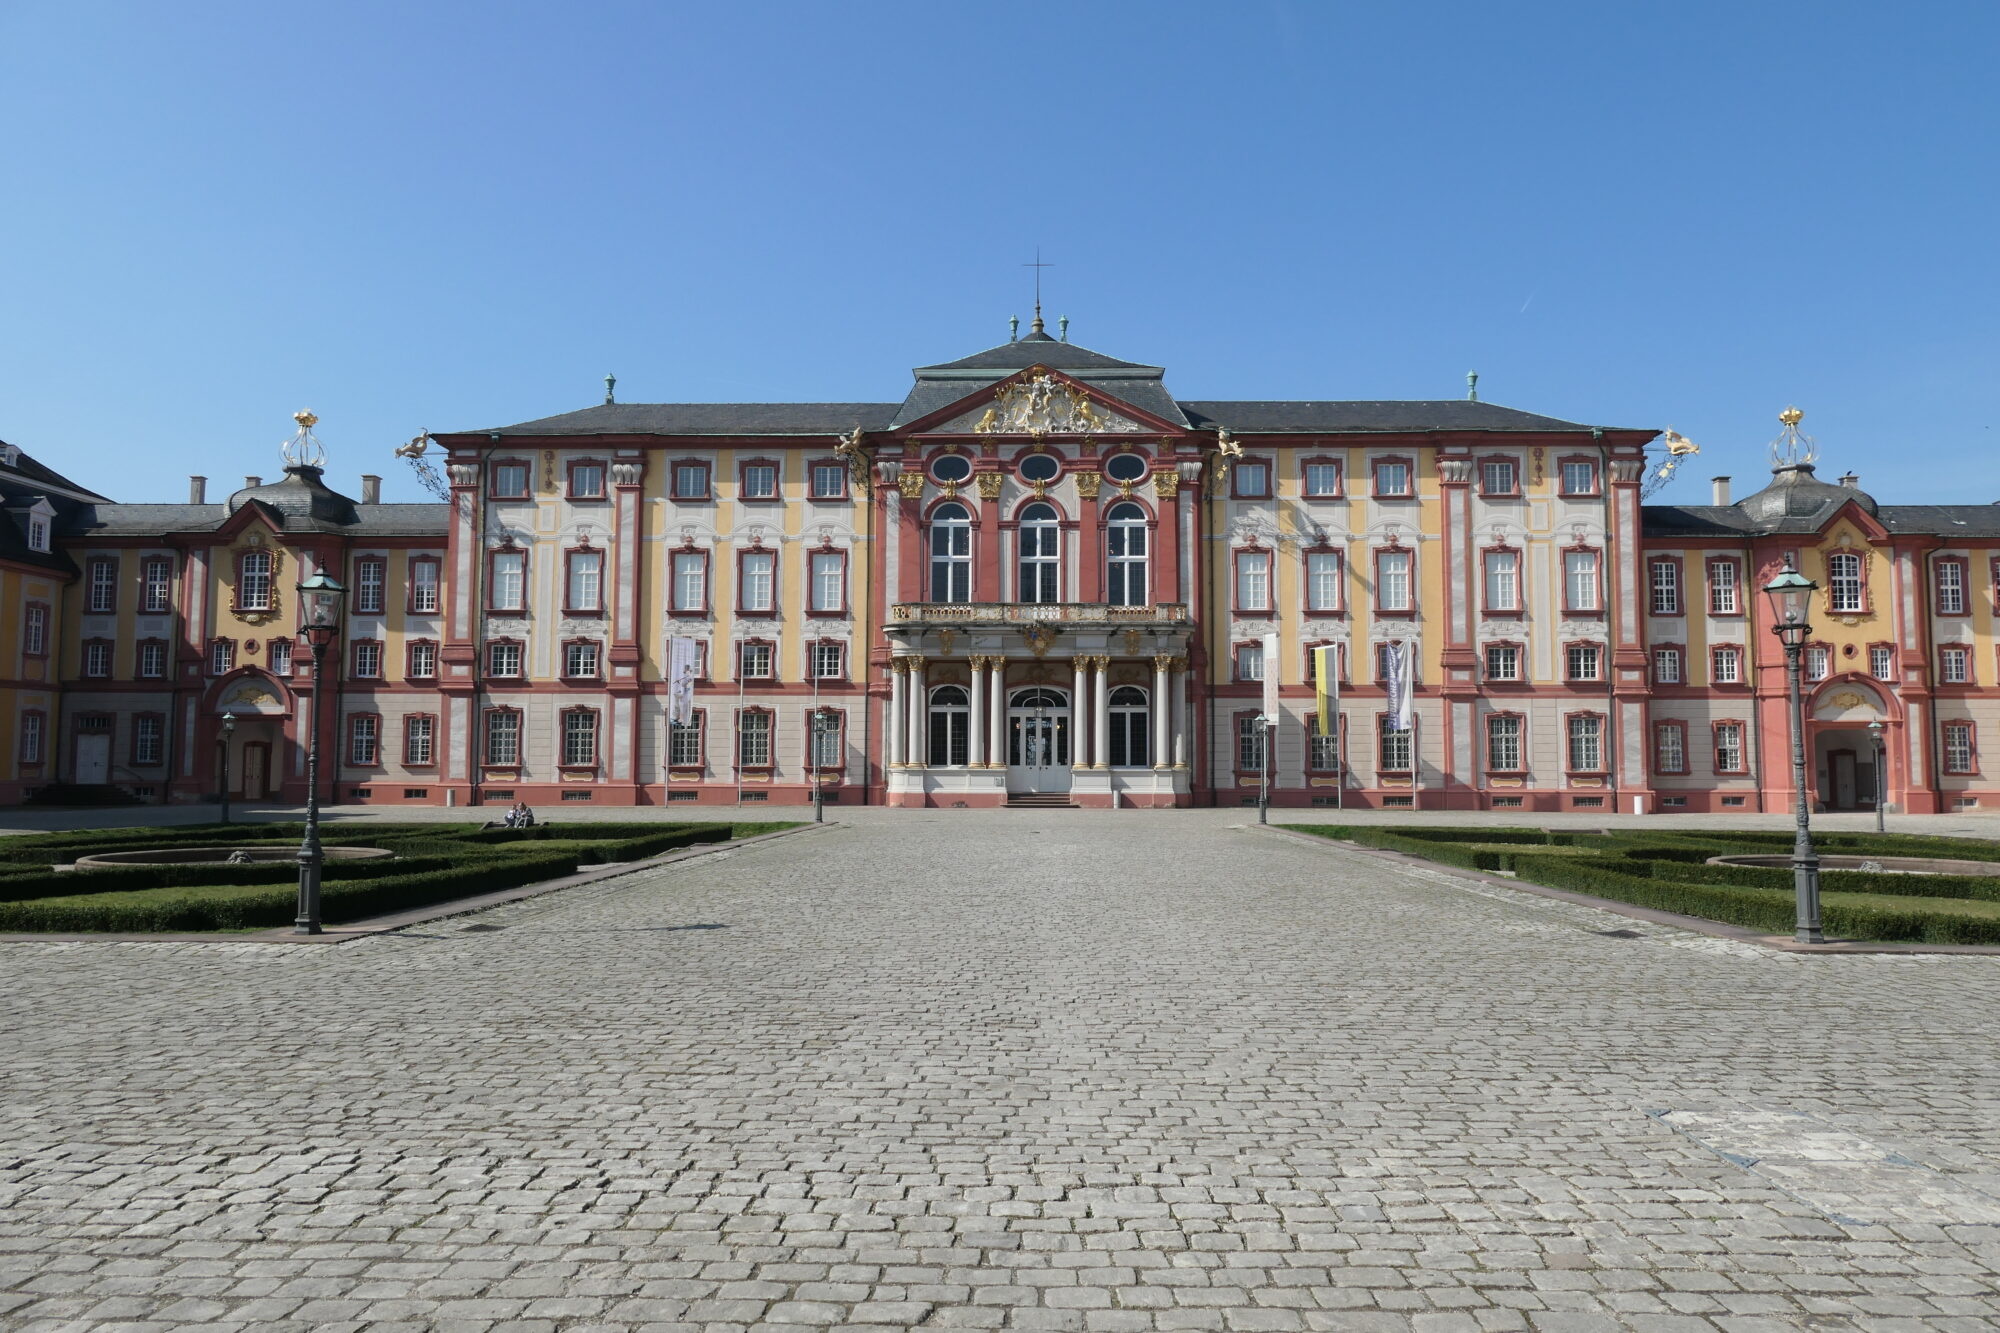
pixel 1790 595
pixel 319 597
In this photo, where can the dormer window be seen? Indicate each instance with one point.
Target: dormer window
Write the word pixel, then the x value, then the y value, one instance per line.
pixel 38 533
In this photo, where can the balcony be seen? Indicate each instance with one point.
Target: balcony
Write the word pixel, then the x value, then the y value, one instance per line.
pixel 1029 613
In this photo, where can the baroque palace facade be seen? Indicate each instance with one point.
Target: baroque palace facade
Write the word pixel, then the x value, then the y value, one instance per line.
pixel 1039 577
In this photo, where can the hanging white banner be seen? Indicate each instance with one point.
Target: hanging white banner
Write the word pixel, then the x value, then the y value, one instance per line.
pixel 683 665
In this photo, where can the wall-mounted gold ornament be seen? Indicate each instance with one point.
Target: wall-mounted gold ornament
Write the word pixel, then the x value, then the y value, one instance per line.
pixel 1166 483
pixel 946 638
pixel 1132 638
pixel 1039 638
pixel 990 484
pixel 911 484
pixel 1086 484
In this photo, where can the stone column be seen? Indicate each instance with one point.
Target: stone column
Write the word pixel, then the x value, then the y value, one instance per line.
pixel 1162 702
pixel 898 710
pixel 975 720
pixel 1180 689
pixel 917 739
pixel 1079 714
pixel 1100 746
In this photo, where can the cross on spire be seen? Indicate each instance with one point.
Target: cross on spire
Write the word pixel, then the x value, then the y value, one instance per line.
pixel 1038 266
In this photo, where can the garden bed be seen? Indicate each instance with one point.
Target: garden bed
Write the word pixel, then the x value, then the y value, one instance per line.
pixel 430 864
pixel 1669 871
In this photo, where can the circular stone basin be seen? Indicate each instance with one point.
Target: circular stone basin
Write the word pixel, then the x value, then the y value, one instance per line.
pixel 188 856
pixel 1886 865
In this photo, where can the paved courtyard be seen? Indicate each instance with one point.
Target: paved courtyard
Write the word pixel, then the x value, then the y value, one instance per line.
pixel 1053 1070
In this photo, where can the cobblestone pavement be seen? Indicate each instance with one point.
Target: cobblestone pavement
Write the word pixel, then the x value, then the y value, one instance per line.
pixel 1049 1071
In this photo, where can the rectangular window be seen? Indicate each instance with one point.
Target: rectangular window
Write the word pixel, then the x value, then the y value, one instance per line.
pixel 1324 757
pixel 1249 743
pixel 367 659
pixel 102 597
pixel 1322 480
pixel 38 533
pixel 221 657
pixel 253 581
pixel 420 660
pixel 1729 747
pixel 1955 665
pixel 1392 479
pixel 579 738
pixel 1819 661
pixel 97 659
pixel 35 630
pixel 580 659
pixel 829 659
pixel 829 481
pixel 156 586
pixel 419 740
pixel 1583 661
pixel 1249 661
pixel 1666 666
pixel 280 660
pixel 829 582
pixel 510 580
pixel 424 587
pixel 1580 581
pixel 1669 748
pixel 153 659
pixel 148 740
pixel 1323 581
pixel 1393 746
pixel 1950 587
pixel 758 571
pixel 753 740
pixel 754 659
pixel 1725 665
pixel 503 659
pixel 1253 580
pixel 1724 588
pixel 1579 477
pixel 586 581
pixel 1392 581
pixel 1503 742
pixel 1586 743
pixel 690 481
pixel 690 582
pixel 760 481
pixel 1499 477
pixel 364 732
pixel 829 747
pixel 371 578
pixel 1503 581
pixel 510 481
pixel 1846 593
pixel 32 737
pixel 1881 661
pixel 586 481
pixel 1503 661
pixel 1666 587
pixel 684 744
pixel 1958 752
pixel 503 737
pixel 1252 477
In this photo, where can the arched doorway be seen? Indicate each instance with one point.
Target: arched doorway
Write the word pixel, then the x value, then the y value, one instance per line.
pixel 1038 732
pixel 1842 746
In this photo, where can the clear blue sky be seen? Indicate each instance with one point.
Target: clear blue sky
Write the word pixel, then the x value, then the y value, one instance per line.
pixel 449 216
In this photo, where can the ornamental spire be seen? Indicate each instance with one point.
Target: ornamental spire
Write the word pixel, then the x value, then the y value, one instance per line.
pixel 1793 448
pixel 304 448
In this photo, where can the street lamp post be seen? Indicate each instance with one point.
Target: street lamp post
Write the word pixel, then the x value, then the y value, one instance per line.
pixel 1881 774
pixel 1790 595
pixel 823 725
pixel 1267 731
pixel 319 600
pixel 228 730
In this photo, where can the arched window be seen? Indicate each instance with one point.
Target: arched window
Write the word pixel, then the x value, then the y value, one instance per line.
pixel 1125 550
pixel 951 718
pixel 1130 729
pixel 1041 553
pixel 1846 593
pixel 951 554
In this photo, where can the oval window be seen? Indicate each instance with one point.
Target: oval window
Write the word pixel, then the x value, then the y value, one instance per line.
pixel 1040 467
pixel 951 467
pixel 1125 467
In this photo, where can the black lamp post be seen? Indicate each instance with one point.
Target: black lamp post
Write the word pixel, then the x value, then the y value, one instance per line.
pixel 824 725
pixel 1790 595
pixel 1881 770
pixel 319 601
pixel 228 730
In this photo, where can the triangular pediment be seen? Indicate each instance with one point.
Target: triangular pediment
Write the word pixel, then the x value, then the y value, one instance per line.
pixel 1039 401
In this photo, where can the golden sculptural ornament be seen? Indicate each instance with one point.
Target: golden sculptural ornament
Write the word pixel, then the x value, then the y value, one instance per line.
pixel 911 484
pixel 1039 638
pixel 1166 483
pixel 990 484
pixel 1086 485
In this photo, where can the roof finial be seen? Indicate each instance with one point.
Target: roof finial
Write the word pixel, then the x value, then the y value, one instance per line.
pixel 1038 266
pixel 1063 324
pixel 303 449
pixel 610 388
pixel 1793 448
pixel 1471 386
pixel 1013 328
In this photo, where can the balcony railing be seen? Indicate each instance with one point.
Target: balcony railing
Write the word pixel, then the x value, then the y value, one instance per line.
pixel 1034 612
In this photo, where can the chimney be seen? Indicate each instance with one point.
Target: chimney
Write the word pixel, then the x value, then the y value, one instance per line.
pixel 1851 482
pixel 197 490
pixel 1721 485
pixel 249 482
pixel 371 489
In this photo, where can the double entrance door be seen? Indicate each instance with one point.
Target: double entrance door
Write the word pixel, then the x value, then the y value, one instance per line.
pixel 1038 734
